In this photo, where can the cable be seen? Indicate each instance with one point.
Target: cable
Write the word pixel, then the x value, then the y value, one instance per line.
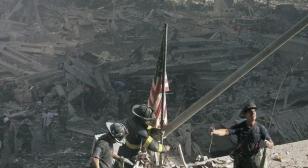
pixel 279 90
pixel 275 102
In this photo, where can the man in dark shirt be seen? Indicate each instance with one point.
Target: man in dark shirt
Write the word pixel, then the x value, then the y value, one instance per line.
pixel 250 134
pixel 102 153
pixel 140 130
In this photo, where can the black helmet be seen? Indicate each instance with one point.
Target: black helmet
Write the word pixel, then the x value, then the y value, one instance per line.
pixel 144 112
pixel 117 130
pixel 248 106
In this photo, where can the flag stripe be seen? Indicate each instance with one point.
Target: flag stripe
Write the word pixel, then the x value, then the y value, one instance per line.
pixel 160 84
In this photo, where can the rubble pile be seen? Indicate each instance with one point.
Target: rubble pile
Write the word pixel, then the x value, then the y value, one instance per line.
pixel 96 59
pixel 286 155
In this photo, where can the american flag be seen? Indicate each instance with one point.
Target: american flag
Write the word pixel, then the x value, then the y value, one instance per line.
pixel 159 87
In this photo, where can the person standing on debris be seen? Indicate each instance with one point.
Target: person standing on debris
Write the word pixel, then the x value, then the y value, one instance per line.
pixel 24 134
pixel 47 125
pixel 12 136
pixel 139 138
pixel 63 113
pixel 251 137
pixel 63 117
pixel 4 124
pixel 103 154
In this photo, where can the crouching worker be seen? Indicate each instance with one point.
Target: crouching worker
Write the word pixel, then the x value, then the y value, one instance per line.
pixel 140 136
pixel 102 152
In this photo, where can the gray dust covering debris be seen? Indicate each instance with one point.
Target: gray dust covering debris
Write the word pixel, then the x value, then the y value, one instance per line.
pixel 68 67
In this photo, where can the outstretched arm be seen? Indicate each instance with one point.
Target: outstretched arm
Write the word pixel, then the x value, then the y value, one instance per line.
pixel 151 143
pixel 219 132
pixel 123 159
pixel 116 156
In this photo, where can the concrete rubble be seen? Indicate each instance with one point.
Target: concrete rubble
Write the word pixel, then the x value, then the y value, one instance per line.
pixel 286 155
pixel 100 57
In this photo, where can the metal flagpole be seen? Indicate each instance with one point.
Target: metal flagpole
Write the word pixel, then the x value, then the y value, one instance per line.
pixel 164 61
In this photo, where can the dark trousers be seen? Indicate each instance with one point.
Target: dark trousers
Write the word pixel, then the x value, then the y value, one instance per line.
pixel 26 146
pixel 48 134
pixel 242 161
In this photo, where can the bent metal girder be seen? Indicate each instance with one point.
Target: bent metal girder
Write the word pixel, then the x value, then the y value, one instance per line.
pixel 235 76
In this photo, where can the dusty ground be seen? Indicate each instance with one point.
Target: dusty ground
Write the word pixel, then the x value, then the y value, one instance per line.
pixel 293 155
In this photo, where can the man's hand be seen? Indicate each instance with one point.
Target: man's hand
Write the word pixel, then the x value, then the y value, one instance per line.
pixel 211 131
pixel 269 144
pixel 167 148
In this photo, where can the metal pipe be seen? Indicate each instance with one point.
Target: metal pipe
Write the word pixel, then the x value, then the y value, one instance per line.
pixel 182 156
pixel 235 76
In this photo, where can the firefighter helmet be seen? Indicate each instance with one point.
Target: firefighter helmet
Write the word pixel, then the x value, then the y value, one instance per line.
pixel 117 130
pixel 248 106
pixel 144 112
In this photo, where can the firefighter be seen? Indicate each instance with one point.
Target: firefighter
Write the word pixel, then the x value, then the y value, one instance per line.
pixel 139 137
pixel 251 136
pixel 103 154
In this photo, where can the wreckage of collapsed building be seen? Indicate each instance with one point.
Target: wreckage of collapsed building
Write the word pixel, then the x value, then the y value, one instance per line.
pixel 99 57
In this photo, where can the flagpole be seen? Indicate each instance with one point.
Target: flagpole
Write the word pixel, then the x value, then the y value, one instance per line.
pixel 164 61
